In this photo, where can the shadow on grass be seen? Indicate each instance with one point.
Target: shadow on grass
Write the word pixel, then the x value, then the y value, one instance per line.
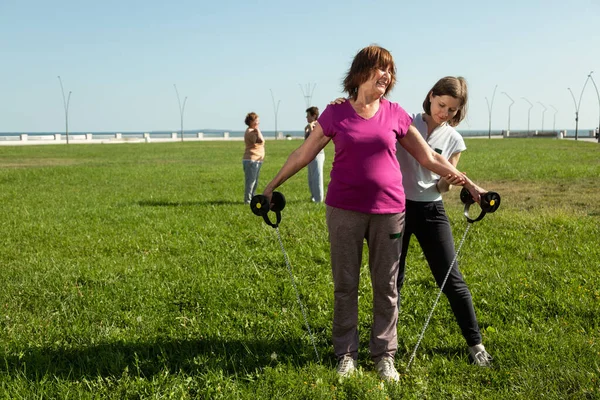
pixel 163 203
pixel 157 203
pixel 448 351
pixel 192 357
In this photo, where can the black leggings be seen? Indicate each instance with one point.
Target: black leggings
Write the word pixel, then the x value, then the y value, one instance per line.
pixel 429 223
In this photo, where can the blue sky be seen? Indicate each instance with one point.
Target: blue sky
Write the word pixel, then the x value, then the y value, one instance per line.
pixel 120 59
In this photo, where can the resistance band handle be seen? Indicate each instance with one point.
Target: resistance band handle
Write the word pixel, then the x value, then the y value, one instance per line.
pixel 489 203
pixel 261 207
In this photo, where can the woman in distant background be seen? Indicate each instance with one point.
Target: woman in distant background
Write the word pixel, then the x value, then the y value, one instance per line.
pixel 315 167
pixel 253 155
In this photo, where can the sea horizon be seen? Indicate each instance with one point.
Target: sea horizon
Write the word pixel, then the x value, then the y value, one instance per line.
pixel 208 133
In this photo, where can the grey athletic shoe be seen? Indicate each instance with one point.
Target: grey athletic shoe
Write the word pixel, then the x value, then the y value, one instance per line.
pixel 386 369
pixel 346 366
pixel 481 359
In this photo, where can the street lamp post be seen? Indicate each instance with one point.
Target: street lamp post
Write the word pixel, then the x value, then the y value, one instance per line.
pixel 554 119
pixel 543 112
pixel 578 105
pixel 66 102
pixel 181 109
pixel 528 113
pixel 490 106
pixel 509 106
pixel 275 110
pixel 576 112
pixel 597 95
pixel 307 92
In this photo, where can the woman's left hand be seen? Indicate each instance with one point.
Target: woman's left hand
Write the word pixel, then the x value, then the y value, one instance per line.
pixel 339 100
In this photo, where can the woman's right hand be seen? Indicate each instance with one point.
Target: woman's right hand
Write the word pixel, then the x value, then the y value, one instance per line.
pixel 453 180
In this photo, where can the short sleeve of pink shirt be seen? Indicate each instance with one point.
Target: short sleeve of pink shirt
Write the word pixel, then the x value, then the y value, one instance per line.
pixel 365 176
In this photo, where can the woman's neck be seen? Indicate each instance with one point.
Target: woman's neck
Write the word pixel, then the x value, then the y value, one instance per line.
pixel 364 99
pixel 366 105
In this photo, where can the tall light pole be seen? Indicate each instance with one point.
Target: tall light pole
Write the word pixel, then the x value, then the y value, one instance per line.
pixel 181 109
pixel 275 110
pixel 543 112
pixel 528 113
pixel 576 112
pixel 490 106
pixel 66 105
pixel 509 106
pixel 307 92
pixel 554 120
pixel 597 95
pixel 578 105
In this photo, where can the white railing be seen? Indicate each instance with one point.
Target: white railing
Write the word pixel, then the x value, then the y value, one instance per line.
pixel 119 137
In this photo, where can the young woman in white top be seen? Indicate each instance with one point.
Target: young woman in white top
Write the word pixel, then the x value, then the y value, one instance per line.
pixel 444 108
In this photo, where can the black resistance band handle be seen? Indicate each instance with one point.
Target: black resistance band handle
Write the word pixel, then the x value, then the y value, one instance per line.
pixel 261 207
pixel 489 203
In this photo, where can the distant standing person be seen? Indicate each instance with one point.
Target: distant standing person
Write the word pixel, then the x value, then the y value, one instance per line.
pixel 253 155
pixel 315 167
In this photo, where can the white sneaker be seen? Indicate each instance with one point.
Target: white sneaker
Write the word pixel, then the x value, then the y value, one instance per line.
pixel 478 356
pixel 481 359
pixel 386 369
pixel 346 366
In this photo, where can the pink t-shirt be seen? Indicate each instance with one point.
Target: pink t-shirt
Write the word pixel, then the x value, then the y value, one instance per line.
pixel 365 176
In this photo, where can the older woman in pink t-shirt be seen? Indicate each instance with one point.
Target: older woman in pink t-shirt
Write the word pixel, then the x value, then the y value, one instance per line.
pixel 365 201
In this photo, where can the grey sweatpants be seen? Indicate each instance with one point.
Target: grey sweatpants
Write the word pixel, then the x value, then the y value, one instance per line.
pixel 383 232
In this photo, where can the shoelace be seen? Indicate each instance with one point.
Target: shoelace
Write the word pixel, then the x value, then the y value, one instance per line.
pixel 346 364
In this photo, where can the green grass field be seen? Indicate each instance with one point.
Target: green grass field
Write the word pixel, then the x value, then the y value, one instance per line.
pixel 135 271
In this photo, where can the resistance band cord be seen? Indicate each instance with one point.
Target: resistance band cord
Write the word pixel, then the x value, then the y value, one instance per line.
pixel 289 268
pixel 437 298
